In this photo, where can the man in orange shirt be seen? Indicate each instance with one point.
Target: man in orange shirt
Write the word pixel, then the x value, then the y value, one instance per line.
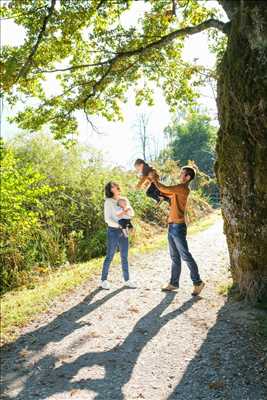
pixel 177 231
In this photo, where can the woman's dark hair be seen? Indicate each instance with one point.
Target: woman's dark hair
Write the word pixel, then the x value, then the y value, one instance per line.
pixel 108 191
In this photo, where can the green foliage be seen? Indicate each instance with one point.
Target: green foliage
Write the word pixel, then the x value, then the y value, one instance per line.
pixel 23 191
pixel 146 209
pixel 52 206
pixel 193 139
pixel 217 44
pixel 94 51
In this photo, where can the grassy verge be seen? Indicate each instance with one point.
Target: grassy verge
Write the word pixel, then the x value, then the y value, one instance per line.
pixel 204 223
pixel 20 306
pixel 225 288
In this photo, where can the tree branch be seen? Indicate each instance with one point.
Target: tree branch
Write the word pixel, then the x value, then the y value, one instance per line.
pixel 93 126
pixel 24 69
pixel 174 7
pixel 114 61
pixel 97 83
pixel 73 67
pixel 190 30
pixel 211 23
pixel 100 4
pixel 22 14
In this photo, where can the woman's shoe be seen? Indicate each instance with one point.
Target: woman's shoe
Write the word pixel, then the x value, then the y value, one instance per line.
pixel 130 284
pixel 105 285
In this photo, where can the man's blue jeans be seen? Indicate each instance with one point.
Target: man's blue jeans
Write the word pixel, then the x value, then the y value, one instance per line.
pixel 116 238
pixel 179 250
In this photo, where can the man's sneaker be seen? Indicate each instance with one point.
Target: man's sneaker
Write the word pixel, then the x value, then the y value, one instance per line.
pixel 168 287
pixel 130 284
pixel 105 285
pixel 198 288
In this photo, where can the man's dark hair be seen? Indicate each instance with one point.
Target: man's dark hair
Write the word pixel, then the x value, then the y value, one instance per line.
pixel 189 171
pixel 108 192
pixel 139 161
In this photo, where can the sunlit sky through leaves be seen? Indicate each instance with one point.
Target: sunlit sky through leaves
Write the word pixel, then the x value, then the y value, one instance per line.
pixel 117 140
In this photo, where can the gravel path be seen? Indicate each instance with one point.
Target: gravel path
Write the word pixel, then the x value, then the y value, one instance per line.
pixel 129 344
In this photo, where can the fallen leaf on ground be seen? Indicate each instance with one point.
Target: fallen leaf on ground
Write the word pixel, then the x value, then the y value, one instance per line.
pixel 74 392
pixel 216 385
pixel 93 334
pixel 133 309
pixel 141 396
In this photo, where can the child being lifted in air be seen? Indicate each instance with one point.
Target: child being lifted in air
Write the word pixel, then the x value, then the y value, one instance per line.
pixel 146 183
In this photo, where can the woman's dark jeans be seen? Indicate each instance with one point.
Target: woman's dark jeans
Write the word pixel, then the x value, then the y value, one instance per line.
pixel 179 250
pixel 116 238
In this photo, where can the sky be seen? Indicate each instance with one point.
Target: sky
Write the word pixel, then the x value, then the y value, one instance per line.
pixel 117 140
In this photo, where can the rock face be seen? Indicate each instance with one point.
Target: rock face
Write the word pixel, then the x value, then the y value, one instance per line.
pixel 241 166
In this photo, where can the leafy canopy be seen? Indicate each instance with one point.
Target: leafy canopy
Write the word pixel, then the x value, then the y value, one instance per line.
pixel 95 51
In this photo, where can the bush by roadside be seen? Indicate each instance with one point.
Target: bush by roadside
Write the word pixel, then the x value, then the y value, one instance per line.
pixel 52 206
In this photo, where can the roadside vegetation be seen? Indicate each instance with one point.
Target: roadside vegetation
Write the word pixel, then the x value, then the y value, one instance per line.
pixel 52 206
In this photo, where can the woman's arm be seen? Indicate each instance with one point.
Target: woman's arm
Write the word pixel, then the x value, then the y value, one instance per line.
pixel 111 218
pixel 130 211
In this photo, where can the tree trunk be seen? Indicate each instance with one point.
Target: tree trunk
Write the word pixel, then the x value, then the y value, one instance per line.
pixel 241 165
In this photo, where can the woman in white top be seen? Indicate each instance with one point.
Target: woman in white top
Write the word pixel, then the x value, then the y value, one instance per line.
pixel 115 236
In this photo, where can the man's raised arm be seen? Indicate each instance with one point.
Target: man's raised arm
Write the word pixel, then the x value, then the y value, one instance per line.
pixel 168 190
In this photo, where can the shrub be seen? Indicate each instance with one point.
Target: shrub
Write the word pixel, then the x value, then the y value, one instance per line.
pixel 22 192
pixel 52 206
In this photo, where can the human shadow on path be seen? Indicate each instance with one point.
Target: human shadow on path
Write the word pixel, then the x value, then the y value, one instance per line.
pixel 55 331
pixel 230 364
pixel 117 363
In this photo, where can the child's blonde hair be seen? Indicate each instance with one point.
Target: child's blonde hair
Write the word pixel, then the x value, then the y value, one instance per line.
pixel 121 199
